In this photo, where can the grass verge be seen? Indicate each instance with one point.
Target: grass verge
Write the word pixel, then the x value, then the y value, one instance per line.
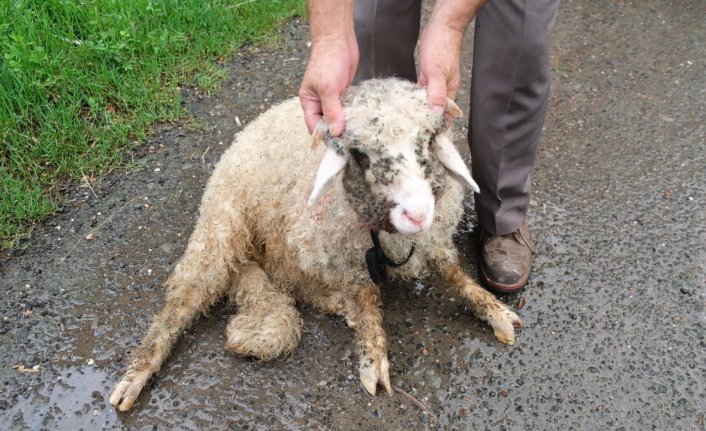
pixel 82 81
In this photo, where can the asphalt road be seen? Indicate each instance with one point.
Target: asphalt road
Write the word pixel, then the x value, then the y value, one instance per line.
pixel 614 311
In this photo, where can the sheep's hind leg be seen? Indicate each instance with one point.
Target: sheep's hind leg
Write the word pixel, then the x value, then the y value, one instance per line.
pixel 486 306
pixel 267 323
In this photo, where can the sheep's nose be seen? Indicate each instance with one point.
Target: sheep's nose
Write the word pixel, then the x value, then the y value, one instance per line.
pixel 417 218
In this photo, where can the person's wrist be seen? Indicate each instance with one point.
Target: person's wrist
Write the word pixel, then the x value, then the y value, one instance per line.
pixel 338 40
pixel 446 32
pixel 454 15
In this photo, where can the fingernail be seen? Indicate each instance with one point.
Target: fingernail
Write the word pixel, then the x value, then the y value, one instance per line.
pixel 437 108
pixel 335 129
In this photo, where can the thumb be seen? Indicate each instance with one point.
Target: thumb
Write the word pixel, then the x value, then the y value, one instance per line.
pixel 312 112
pixel 436 93
pixel 333 114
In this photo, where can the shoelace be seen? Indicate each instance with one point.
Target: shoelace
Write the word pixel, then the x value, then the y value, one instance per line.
pixel 522 240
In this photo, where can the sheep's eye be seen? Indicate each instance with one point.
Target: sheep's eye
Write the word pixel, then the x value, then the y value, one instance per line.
pixel 360 158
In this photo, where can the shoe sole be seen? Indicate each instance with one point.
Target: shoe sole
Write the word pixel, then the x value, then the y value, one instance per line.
pixel 502 288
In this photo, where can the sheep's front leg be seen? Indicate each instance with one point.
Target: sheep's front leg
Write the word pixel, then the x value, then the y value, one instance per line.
pixel 485 305
pixel 360 306
pixel 364 315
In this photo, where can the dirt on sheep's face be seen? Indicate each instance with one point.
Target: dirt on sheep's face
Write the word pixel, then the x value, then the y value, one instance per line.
pixel 365 196
pixel 390 131
pixel 378 170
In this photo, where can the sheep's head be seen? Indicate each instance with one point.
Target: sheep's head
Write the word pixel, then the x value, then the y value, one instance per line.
pixel 395 155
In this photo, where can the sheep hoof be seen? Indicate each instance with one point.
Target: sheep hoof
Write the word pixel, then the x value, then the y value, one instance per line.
pixel 375 372
pixel 127 391
pixel 504 321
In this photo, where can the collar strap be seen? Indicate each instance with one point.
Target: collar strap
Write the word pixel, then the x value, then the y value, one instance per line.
pixel 377 261
pixel 376 242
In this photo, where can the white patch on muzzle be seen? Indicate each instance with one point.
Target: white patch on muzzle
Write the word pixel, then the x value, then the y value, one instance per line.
pixel 414 209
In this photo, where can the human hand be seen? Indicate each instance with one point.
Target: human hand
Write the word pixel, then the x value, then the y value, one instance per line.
pixel 439 58
pixel 332 65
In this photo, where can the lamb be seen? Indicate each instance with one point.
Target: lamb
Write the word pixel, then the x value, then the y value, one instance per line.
pixel 273 230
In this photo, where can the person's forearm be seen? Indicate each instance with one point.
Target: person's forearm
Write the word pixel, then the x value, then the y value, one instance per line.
pixel 330 20
pixel 455 14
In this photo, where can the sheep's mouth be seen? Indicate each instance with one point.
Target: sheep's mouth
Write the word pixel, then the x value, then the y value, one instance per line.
pixel 378 219
pixel 388 227
pixel 384 225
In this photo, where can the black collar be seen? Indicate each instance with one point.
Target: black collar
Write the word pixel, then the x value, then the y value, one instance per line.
pixel 377 262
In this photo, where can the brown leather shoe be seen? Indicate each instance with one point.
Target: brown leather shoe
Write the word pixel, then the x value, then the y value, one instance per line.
pixel 506 260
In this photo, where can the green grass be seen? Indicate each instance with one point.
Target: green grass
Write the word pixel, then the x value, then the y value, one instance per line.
pixel 81 81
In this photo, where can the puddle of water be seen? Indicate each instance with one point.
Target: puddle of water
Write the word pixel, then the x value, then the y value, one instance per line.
pixel 74 399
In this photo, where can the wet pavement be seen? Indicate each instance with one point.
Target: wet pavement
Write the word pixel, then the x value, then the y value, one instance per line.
pixel 614 311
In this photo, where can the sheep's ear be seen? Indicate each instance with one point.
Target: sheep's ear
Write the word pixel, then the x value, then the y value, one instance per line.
pixel 448 155
pixel 452 109
pixel 331 164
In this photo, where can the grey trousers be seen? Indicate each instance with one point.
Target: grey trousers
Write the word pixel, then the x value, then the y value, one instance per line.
pixel 509 90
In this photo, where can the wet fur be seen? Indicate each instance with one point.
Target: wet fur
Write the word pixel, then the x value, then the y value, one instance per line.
pixel 257 243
